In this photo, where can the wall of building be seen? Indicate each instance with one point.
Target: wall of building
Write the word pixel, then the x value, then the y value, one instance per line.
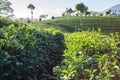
pixel 115 10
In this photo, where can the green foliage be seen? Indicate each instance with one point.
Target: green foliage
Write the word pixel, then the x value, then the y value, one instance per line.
pixel 87 13
pixel 28 54
pixel 31 7
pixel 90 55
pixel 72 24
pixel 81 7
pixel 108 12
pixel 52 17
pixel 6 21
pixel 5 7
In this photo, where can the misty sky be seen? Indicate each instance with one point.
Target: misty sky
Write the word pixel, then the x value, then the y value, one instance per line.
pixel 56 7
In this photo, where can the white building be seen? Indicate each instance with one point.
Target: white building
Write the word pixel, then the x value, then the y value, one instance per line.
pixel 114 11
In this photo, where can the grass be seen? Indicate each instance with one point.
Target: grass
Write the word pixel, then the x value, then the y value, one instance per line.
pixel 72 24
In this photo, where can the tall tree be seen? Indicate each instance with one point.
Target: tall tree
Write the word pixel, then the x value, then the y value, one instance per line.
pixel 5 7
pixel 31 7
pixel 81 7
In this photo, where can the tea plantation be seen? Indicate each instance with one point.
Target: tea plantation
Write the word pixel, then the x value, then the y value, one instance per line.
pixel 73 24
pixel 90 56
pixel 30 52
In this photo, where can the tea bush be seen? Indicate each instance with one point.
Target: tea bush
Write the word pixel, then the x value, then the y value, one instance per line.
pixel 78 23
pixel 6 21
pixel 28 54
pixel 91 56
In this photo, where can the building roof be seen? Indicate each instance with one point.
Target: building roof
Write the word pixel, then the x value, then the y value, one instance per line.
pixel 70 10
pixel 117 5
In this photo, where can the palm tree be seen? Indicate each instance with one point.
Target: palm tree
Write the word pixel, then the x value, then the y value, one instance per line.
pixel 31 7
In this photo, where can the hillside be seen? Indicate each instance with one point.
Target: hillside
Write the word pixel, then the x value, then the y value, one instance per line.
pixel 71 24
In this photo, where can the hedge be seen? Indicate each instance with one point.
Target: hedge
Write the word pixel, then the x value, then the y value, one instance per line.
pixel 28 54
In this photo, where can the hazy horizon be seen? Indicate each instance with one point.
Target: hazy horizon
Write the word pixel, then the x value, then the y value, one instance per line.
pixel 56 7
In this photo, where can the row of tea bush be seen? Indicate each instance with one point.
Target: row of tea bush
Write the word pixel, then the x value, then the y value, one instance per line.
pixel 90 56
pixel 28 54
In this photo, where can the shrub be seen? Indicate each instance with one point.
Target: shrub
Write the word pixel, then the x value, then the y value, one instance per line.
pixel 52 17
pixel 90 55
pixel 27 54
pixel 6 21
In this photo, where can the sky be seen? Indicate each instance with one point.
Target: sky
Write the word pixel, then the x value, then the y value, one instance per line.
pixel 56 7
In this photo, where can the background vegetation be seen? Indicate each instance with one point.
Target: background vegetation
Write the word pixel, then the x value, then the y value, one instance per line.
pixel 72 24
